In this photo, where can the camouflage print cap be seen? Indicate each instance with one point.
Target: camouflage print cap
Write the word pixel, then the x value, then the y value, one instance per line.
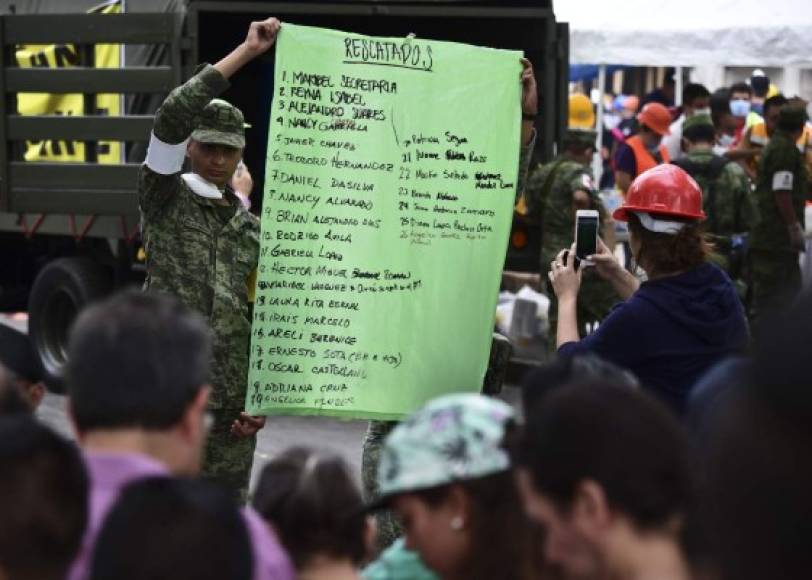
pixel 220 123
pixel 583 137
pixel 697 121
pixel 453 438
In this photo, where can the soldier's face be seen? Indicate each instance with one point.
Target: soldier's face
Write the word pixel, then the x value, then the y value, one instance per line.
pixel 213 162
pixel 771 119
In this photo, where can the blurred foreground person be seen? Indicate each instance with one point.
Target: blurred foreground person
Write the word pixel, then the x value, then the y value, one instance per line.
pixel 138 384
pixel 12 399
pixel 756 460
pixel 173 528
pixel 446 475
pixel 17 355
pixel 559 372
pixel 43 501
pixel 314 505
pixel 605 470
pixel 671 329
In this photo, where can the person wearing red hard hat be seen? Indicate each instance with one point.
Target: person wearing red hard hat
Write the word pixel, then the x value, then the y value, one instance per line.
pixel 645 150
pixel 685 318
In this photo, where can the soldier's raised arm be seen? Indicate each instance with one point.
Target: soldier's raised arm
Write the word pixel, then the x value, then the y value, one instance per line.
pixel 530 106
pixel 159 178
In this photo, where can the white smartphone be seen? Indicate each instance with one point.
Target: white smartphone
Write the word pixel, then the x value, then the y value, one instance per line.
pixel 586 234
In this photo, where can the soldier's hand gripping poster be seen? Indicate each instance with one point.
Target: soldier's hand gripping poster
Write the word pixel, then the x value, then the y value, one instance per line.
pixel 389 189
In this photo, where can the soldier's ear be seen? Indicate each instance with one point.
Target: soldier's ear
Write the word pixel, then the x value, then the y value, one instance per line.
pixel 189 147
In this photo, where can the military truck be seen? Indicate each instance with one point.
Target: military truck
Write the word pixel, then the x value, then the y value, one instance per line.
pixel 69 224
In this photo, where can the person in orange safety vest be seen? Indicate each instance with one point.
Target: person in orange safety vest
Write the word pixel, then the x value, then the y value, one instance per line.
pixel 644 150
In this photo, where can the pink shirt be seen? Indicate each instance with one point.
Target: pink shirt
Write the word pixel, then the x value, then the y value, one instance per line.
pixel 110 472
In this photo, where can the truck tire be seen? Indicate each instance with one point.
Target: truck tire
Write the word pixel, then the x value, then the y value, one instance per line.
pixel 61 290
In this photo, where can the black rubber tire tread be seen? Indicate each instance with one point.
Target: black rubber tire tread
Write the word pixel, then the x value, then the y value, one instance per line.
pixel 76 280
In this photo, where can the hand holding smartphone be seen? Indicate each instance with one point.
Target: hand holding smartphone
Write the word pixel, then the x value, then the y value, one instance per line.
pixel 586 235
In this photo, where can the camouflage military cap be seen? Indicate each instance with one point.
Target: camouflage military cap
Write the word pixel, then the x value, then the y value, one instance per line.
pixel 452 438
pixel 791 117
pixel 696 121
pixel 583 137
pixel 220 123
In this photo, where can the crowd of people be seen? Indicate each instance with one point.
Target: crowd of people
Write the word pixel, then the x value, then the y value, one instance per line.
pixel 592 477
pixel 658 444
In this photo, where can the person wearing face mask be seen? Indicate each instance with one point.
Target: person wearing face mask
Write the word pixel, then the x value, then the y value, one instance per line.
pixel 724 123
pixel 644 150
pixel 201 244
pixel 695 101
pixel 741 106
pixel 686 318
pixel 756 137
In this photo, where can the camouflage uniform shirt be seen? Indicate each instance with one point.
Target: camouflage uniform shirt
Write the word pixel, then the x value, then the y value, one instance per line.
pixel 196 249
pixel 780 159
pixel 550 198
pixel 726 199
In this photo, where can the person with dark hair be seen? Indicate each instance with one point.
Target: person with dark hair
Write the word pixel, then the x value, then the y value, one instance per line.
pixel 755 460
pixel 606 470
pixel 577 369
pixel 778 236
pixel 723 121
pixel 314 505
pixel 138 384
pixel 12 397
pixel 43 500
pixel 756 137
pixel 741 96
pixel 18 356
pixel 201 244
pixel 695 101
pixel 685 318
pixel 447 475
pixel 644 150
pixel 173 528
pixel 664 94
pixel 725 196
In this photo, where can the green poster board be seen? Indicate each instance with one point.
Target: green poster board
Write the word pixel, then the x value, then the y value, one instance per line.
pixel 389 189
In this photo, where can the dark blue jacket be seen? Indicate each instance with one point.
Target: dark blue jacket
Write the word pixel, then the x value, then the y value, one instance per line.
pixel 671 331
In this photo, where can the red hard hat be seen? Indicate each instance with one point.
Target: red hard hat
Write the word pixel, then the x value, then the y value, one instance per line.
pixel 664 190
pixel 656 117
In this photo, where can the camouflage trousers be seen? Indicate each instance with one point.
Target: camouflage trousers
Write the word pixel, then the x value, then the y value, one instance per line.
pixel 227 459
pixel 388 527
pixel 776 279
pixel 595 299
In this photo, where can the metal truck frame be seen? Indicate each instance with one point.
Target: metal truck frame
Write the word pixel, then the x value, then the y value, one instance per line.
pixel 69 232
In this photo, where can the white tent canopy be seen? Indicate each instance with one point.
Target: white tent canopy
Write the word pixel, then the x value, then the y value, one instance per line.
pixel 689 32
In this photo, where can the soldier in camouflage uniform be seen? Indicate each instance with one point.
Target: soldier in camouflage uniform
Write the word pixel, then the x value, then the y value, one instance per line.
pixel 777 234
pixel 501 349
pixel 726 195
pixel 202 245
pixel 553 194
